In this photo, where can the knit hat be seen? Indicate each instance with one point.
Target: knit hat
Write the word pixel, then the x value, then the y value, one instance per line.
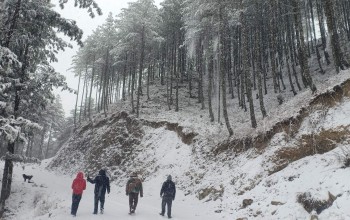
pixel 133 174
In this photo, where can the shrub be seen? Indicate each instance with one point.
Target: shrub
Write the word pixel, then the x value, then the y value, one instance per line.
pixel 312 204
pixel 280 99
pixel 344 157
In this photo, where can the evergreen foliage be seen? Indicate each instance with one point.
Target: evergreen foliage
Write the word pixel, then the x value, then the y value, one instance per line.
pixel 215 49
pixel 29 41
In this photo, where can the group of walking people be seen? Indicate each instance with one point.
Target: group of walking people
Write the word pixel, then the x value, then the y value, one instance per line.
pixel 133 189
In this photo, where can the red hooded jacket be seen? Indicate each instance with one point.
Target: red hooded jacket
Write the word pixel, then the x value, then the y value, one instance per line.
pixel 79 184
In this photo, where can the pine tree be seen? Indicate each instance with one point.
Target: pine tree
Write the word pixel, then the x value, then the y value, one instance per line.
pixel 32 38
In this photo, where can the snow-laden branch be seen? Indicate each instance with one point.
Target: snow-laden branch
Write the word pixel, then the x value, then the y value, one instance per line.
pixel 19 158
pixel 7 60
pixel 13 129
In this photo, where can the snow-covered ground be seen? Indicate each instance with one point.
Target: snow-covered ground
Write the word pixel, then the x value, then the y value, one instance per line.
pixel 318 175
pixel 49 197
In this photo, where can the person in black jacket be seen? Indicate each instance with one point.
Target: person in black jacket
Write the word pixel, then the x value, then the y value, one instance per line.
pixel 167 193
pixel 101 182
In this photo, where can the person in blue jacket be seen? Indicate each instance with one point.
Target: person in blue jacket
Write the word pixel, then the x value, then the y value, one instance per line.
pixel 167 193
pixel 101 182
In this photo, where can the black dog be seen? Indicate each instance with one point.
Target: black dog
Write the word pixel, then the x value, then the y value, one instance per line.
pixel 29 177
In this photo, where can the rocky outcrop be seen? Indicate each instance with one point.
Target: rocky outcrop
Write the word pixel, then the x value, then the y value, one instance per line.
pixel 185 135
pixel 104 142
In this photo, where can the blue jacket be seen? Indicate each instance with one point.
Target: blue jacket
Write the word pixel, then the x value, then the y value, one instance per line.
pixel 168 189
pixel 101 182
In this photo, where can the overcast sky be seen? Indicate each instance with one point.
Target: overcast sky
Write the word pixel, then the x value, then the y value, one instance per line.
pixel 87 24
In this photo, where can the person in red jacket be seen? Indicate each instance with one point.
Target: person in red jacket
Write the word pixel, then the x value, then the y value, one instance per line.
pixel 78 186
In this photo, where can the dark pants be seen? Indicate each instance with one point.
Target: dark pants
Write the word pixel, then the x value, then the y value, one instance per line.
pixel 100 198
pixel 167 201
pixel 75 203
pixel 133 199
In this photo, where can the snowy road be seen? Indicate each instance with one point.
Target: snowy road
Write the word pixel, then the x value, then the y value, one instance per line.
pixel 49 197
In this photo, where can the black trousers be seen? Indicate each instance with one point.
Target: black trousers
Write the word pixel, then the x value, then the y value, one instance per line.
pixel 75 203
pixel 133 199
pixel 100 198
pixel 168 202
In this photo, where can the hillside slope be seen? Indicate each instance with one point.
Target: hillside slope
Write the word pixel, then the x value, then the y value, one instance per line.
pixel 293 151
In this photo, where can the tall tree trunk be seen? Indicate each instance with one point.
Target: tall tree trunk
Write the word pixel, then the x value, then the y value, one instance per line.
pixel 76 103
pixel 28 146
pixel 223 67
pixel 8 167
pixel 124 75
pixel 346 13
pixel 245 59
pixel 82 95
pixel 301 47
pixel 133 84
pixel 48 143
pixel 272 42
pixel 6 179
pixel 189 77
pixel 289 72
pixel 210 86
pixel 218 73
pixel 162 65
pixel 149 70
pixel 307 29
pixel 42 142
pixel 86 98
pixel 260 71
pixel 322 29
pixel 142 54
pixel 230 63
pixel 338 57
pixel 105 85
pixel 290 42
pixel 99 91
pixel 171 69
pixel 201 73
pixel 313 22
pixel 167 73
pixel 91 85
pixel 176 73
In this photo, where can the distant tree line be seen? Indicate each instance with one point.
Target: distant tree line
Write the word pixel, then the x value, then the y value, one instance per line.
pixel 218 49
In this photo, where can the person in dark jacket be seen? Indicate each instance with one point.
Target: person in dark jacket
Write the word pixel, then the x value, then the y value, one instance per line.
pixel 78 186
pixel 101 182
pixel 167 193
pixel 133 188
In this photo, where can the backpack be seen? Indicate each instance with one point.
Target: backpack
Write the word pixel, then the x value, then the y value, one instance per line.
pixel 134 186
pixel 169 189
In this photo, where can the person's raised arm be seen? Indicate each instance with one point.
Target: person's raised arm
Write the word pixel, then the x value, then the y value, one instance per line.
pixel 93 181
